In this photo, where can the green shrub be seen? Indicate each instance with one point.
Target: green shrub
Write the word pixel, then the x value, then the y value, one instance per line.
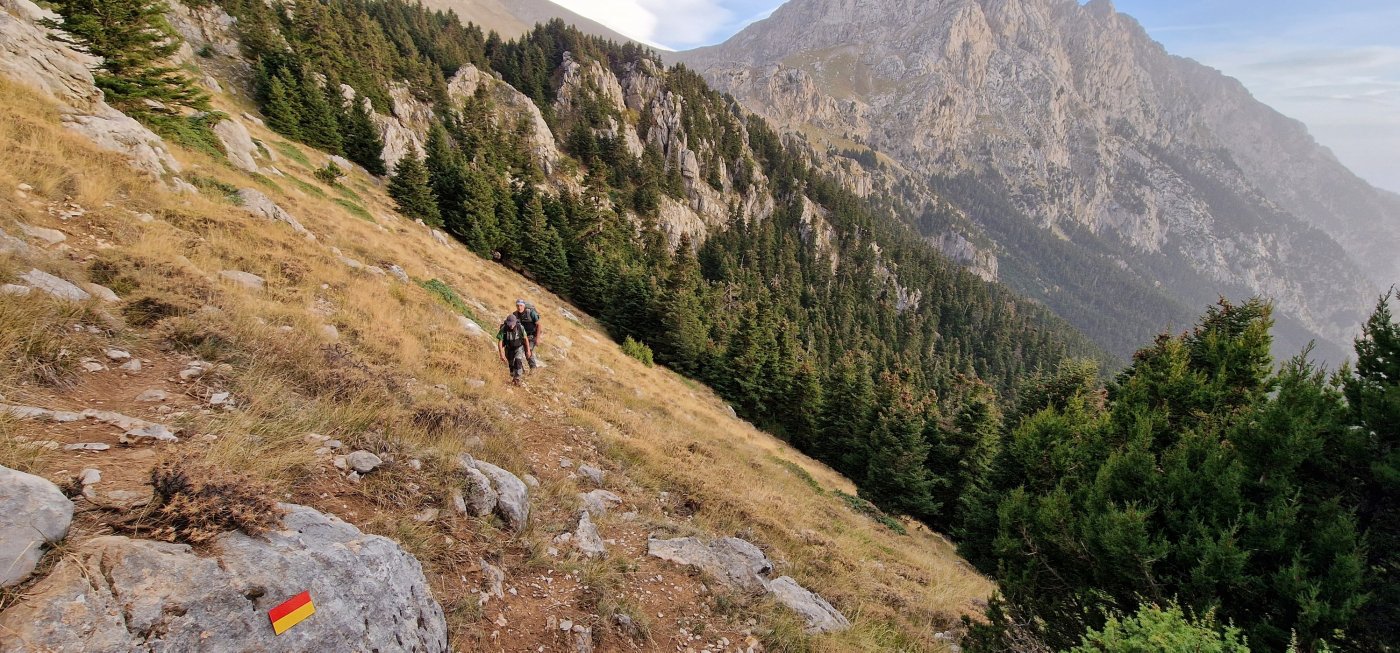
pixel 638 350
pixel 212 186
pixel 330 174
pixel 1156 630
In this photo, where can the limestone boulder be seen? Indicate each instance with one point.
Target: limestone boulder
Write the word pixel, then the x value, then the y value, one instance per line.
pixel 121 594
pixel 818 614
pixel 33 515
pixel 31 57
pixel 238 144
pixel 512 496
pixel 730 560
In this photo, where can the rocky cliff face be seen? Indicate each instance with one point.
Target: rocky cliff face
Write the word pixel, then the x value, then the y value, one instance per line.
pixel 1091 128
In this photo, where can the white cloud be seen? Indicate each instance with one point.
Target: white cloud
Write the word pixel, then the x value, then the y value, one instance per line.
pixel 671 23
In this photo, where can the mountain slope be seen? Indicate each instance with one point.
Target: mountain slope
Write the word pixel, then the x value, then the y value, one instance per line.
pixel 1150 170
pixel 512 18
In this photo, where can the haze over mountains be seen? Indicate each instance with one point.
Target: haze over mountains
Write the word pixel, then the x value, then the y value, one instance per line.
pixel 1057 147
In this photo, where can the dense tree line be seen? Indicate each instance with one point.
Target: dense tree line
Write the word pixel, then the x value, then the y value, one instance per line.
pixel 1204 476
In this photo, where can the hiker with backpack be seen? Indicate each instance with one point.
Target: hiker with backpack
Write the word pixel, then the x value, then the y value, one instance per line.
pixel 529 318
pixel 514 347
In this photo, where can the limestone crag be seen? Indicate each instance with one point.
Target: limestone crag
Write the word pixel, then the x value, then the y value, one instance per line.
pixel 508 106
pixel 121 594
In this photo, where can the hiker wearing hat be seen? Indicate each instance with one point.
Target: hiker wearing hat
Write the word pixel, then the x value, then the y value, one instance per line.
pixel 529 318
pixel 514 347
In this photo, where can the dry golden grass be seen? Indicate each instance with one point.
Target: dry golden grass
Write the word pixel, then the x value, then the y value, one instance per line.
pixel 375 387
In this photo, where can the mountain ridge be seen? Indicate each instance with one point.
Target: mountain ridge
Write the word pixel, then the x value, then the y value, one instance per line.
pixel 1089 122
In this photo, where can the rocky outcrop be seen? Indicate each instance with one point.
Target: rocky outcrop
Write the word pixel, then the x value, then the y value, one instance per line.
pixel 31 55
pixel 586 538
pixel 403 130
pixel 508 106
pixel 34 515
pixel 55 286
pixel 734 562
pixel 122 594
pixel 741 566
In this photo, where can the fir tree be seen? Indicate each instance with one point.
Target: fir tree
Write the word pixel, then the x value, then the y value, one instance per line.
pixel 1373 398
pixel 543 248
pixel 318 122
pixel 410 190
pixel 282 111
pixel 897 478
pixel 362 142
pixel 134 40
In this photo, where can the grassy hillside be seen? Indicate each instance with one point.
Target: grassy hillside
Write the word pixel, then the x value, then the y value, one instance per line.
pixel 401 377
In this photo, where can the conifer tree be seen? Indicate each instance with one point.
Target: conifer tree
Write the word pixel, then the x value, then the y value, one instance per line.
pixel 447 179
pixel 1373 398
pixel 282 110
pixel 318 122
pixel 410 190
pixel 897 478
pixel 543 248
pixel 846 417
pixel 362 142
pixel 684 336
pixel 482 231
pixel 134 40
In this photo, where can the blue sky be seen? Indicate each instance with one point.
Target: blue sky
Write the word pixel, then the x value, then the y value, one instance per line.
pixel 1333 65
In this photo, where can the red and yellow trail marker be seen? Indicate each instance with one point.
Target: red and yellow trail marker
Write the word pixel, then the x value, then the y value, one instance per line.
pixel 291 612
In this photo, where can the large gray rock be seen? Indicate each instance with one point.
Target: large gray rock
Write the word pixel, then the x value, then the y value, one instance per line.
pixel 740 565
pixel 60 288
pixel 238 143
pixel 261 205
pixel 512 497
pixel 33 515
pixel 819 615
pixel 121 594
pixel 730 560
pixel 508 106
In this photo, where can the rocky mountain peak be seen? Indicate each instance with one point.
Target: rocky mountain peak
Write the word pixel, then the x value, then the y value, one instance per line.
pixel 1091 132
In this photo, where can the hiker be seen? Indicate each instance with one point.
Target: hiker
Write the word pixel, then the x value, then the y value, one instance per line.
pixel 514 347
pixel 530 319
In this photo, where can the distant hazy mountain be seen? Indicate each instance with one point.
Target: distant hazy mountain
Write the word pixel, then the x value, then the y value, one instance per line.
pixel 511 18
pixel 1119 184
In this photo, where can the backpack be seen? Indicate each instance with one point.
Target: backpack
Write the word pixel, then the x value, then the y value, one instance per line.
pixel 513 338
pixel 530 317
